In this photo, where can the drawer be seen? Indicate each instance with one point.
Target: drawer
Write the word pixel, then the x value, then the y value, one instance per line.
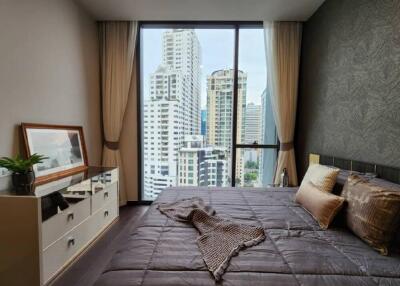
pixel 102 197
pixel 103 217
pixel 64 249
pixel 56 226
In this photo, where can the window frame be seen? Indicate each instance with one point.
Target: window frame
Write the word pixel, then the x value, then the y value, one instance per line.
pixel 236 26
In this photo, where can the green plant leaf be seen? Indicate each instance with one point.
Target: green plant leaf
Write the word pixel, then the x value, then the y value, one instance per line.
pixel 20 165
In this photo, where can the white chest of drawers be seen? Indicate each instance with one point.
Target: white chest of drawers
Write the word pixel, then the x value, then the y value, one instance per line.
pixel 37 244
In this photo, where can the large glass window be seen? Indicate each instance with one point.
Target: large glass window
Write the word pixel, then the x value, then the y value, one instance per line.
pixel 190 110
pixel 255 122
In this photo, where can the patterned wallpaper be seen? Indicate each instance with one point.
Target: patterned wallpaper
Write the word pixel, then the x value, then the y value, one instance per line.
pixel 349 90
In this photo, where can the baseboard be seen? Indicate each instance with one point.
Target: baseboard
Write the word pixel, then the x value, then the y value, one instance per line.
pixel 139 203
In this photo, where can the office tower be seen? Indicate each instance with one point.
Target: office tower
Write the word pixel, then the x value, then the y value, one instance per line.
pixel 252 124
pixel 172 109
pixel 201 165
pixel 252 135
pixel 268 136
pixel 220 112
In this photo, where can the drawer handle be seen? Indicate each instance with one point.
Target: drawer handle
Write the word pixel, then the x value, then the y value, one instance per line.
pixel 70 216
pixel 108 177
pixel 105 195
pixel 71 241
pixel 106 213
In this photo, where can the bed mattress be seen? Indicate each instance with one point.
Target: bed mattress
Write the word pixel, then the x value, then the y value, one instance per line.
pixel 161 251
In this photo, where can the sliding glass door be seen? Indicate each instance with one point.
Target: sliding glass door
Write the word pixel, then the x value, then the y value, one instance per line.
pixel 204 109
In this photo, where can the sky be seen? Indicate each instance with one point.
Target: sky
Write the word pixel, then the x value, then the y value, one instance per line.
pixel 217 52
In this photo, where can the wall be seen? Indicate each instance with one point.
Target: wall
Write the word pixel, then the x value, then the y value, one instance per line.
pixel 49 70
pixel 349 93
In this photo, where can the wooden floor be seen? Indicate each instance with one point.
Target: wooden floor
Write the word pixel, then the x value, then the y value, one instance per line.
pixel 90 265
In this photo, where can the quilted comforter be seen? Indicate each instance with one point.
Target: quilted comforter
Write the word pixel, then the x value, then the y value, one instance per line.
pixel 161 251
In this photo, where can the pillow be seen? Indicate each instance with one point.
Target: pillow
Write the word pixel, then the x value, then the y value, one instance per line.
pixel 385 184
pixel 373 211
pixel 323 177
pixel 382 182
pixel 323 206
pixel 341 179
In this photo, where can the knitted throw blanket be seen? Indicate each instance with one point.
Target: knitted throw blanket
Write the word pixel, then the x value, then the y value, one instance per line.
pixel 219 239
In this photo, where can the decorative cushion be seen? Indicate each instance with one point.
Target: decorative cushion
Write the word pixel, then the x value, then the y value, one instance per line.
pixel 323 177
pixel 323 206
pixel 373 211
pixel 382 182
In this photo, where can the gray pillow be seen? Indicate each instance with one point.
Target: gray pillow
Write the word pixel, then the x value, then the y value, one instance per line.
pixel 341 179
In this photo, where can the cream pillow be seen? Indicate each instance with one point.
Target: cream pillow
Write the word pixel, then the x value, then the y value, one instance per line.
pixel 323 206
pixel 322 177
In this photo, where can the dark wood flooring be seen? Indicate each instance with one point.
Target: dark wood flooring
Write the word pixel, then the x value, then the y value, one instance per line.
pixel 86 270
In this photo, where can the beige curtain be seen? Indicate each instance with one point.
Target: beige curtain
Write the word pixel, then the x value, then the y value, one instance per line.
pixel 117 50
pixel 129 143
pixel 282 48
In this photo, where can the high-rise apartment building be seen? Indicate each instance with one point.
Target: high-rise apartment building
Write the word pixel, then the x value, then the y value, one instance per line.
pixel 172 109
pixel 201 165
pixel 220 112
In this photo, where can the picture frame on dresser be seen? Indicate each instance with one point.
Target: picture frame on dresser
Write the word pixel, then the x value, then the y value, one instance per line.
pixel 64 145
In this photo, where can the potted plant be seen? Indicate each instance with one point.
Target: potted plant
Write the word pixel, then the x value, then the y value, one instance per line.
pixel 22 173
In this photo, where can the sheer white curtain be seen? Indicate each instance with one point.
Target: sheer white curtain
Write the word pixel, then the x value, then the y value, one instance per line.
pixel 282 48
pixel 117 50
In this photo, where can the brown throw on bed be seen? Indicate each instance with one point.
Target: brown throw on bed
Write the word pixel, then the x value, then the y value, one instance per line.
pixel 219 239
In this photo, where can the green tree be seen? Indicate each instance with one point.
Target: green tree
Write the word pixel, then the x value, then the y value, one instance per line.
pixel 248 177
pixel 251 165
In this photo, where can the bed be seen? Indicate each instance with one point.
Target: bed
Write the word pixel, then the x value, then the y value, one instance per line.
pixel 161 251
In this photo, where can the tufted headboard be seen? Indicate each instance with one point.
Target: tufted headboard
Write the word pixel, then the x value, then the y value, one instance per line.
pixel 388 173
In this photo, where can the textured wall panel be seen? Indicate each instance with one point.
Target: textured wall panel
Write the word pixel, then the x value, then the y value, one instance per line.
pixel 349 94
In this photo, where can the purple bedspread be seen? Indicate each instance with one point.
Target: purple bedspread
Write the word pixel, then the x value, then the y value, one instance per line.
pixel 161 251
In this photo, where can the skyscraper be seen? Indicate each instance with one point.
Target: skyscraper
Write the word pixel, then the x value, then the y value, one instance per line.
pixel 252 134
pixel 172 109
pixel 220 112
pixel 268 136
pixel 204 122
pixel 253 124
pixel 201 165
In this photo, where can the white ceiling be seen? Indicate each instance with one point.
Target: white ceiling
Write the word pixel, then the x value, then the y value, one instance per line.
pixel 201 10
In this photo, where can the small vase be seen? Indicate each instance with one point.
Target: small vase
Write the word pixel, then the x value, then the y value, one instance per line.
pixel 284 178
pixel 23 182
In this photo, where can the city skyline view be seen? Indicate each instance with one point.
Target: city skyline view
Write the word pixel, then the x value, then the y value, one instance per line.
pixel 217 52
pixel 188 110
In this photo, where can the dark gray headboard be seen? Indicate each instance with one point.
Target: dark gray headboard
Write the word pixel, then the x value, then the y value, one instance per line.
pixel 385 172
